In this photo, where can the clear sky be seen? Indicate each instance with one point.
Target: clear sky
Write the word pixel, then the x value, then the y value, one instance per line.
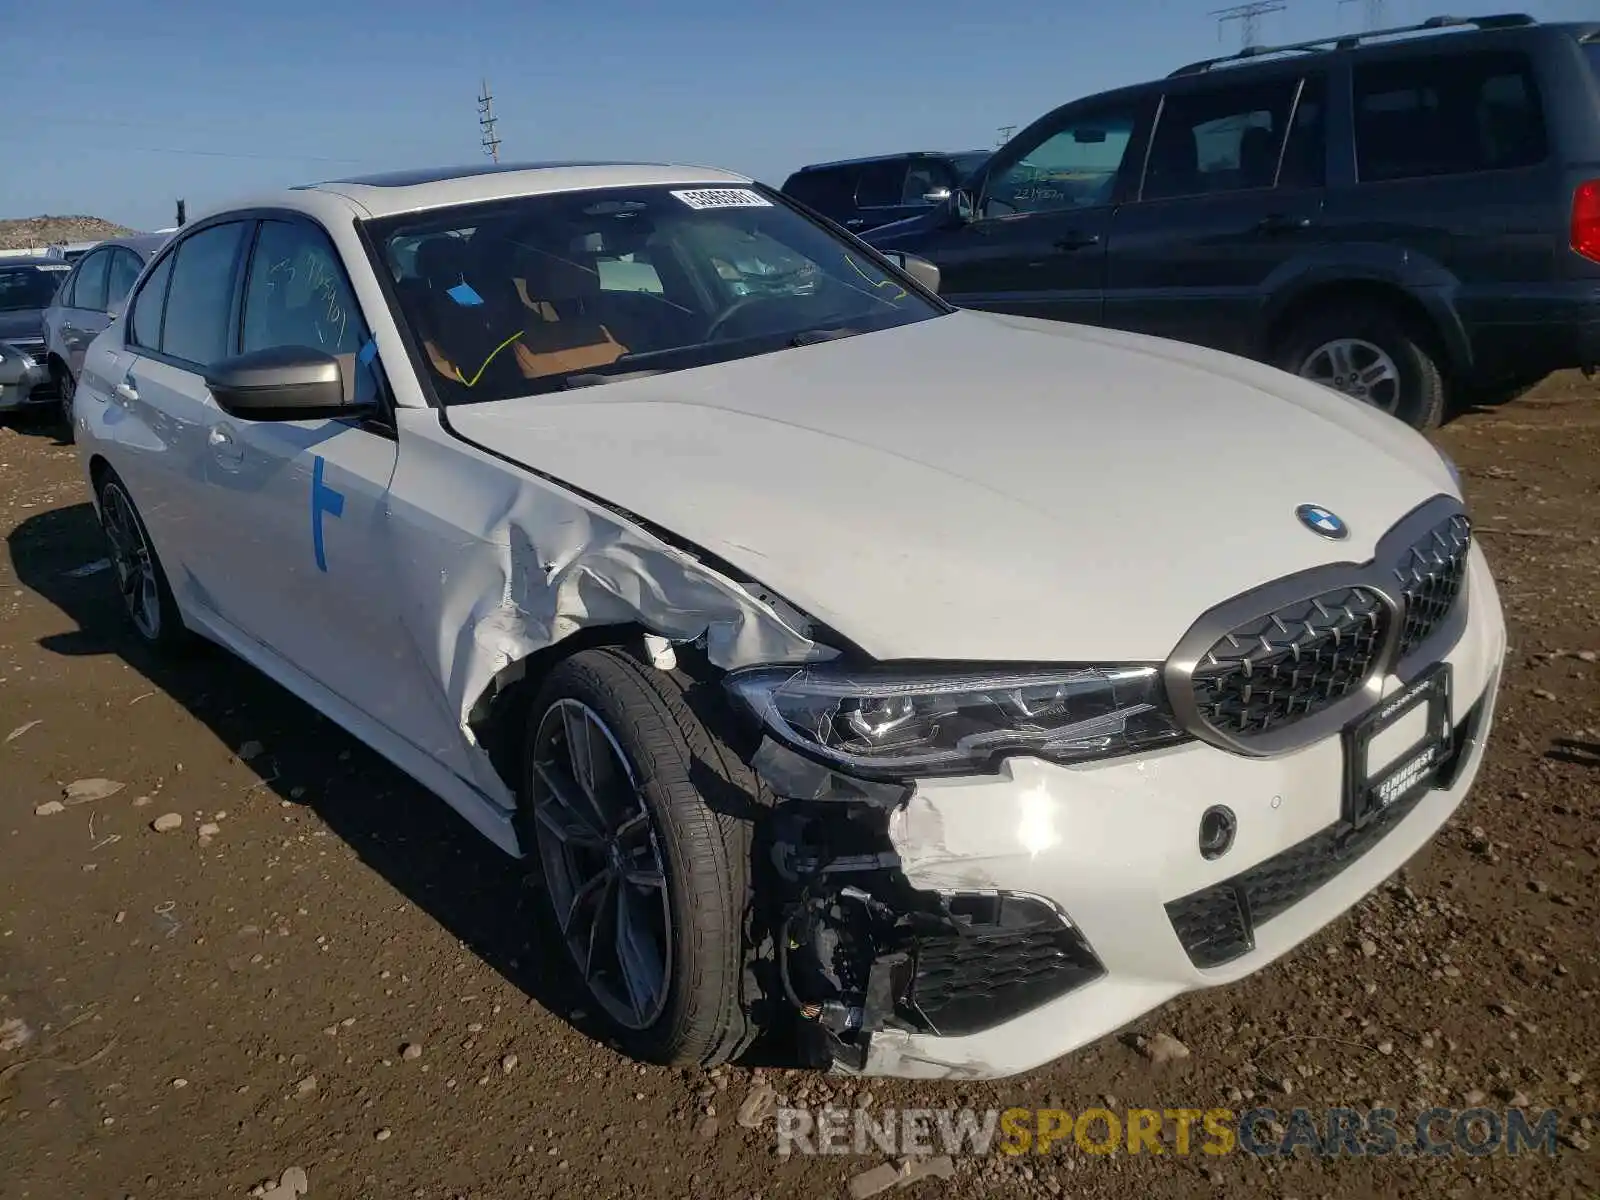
pixel 115 109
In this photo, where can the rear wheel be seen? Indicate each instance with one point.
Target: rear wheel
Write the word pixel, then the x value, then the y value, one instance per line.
pixel 1372 354
pixel 146 595
pixel 648 885
pixel 66 390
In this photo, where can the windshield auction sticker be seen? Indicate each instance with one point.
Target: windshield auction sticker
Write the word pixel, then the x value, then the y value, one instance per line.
pixel 723 198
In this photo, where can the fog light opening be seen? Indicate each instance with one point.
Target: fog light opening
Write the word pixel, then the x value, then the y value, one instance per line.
pixel 1217 827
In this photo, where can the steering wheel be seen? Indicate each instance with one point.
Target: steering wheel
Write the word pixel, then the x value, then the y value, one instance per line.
pixel 742 304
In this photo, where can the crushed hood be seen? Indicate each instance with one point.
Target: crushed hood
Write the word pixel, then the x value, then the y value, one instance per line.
pixel 985 487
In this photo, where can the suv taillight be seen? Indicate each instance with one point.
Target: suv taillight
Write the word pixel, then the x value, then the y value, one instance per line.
pixel 1586 219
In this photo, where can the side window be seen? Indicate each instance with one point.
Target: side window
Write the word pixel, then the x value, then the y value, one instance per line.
pixel 1075 165
pixel 144 322
pixel 200 300
pixel 925 175
pixel 297 294
pixel 1218 140
pixel 1305 158
pixel 880 184
pixel 89 292
pixel 830 191
pixel 125 268
pixel 1446 115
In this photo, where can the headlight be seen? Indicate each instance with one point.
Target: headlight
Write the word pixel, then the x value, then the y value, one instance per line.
pixel 9 353
pixel 887 723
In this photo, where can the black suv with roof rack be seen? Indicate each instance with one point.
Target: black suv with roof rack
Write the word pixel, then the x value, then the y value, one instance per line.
pixel 863 193
pixel 1404 214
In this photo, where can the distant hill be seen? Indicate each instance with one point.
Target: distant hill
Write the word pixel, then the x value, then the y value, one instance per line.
pixel 23 232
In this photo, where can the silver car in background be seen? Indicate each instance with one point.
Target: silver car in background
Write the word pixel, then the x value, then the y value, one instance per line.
pixel 89 300
pixel 26 285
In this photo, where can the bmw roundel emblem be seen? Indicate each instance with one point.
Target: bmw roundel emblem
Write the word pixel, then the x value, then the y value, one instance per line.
pixel 1322 522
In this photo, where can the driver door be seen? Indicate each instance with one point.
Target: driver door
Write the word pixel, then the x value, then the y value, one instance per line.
pixel 1041 223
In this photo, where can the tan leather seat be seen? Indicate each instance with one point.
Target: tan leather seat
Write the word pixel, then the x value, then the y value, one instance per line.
pixel 563 331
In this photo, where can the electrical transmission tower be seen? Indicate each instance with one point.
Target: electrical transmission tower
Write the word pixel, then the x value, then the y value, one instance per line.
pixel 1372 12
pixel 1005 134
pixel 1249 18
pixel 490 141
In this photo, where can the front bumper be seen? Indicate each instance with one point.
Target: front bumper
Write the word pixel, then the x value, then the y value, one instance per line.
pixel 1113 848
pixel 21 387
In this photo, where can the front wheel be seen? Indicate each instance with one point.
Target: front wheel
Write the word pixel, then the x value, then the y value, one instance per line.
pixel 1370 353
pixel 648 884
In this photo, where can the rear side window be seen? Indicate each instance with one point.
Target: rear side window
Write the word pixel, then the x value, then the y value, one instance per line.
pixel 200 300
pixel 125 268
pixel 1446 115
pixel 830 191
pixel 1219 140
pixel 144 323
pixel 881 184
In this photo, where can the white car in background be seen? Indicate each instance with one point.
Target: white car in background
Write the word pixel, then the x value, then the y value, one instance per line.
pixel 949 688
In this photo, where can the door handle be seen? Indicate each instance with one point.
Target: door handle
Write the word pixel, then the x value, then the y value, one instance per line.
pixel 1077 241
pixel 1281 223
pixel 127 389
pixel 224 447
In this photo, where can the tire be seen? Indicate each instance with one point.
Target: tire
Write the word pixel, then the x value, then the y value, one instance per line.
pixel 66 391
pixel 141 580
pixel 1419 397
pixel 700 1013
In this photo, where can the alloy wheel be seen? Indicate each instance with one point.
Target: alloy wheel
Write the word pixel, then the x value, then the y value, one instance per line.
pixel 67 389
pixel 603 865
pixel 133 560
pixel 1357 368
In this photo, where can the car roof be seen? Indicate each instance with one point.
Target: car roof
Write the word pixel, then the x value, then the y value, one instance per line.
pixel 873 158
pixel 397 192
pixel 145 243
pixel 33 260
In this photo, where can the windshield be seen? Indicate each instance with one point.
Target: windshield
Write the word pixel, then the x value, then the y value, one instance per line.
pixel 551 291
pixel 23 288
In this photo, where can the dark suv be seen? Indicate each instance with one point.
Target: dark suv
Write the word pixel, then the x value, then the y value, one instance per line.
pixel 1401 214
pixel 863 193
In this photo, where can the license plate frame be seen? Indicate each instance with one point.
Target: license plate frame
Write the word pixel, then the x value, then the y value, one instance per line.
pixel 1368 792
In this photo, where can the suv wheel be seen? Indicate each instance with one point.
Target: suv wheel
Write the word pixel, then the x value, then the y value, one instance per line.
pixel 1369 353
pixel 647 883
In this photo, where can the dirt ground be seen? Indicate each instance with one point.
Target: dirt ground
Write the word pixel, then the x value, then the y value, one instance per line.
pixel 189 1013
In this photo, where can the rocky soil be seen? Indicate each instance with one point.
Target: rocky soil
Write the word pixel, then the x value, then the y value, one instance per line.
pixel 24 233
pixel 239 952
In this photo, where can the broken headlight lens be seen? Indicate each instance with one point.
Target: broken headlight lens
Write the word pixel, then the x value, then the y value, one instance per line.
pixel 895 724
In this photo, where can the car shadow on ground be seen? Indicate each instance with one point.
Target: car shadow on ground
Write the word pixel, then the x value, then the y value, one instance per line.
pixel 410 837
pixel 42 422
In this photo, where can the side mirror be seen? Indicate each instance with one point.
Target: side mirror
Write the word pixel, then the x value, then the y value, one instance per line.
pixel 961 206
pixel 920 269
pixel 283 383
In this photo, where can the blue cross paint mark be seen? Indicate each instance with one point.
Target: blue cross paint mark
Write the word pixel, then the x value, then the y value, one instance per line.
pixel 368 352
pixel 323 500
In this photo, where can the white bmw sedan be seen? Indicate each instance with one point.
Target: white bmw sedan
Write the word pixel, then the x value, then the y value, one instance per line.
pixel 941 689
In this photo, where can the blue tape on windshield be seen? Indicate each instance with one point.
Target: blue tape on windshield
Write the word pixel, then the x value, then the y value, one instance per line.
pixel 463 294
pixel 368 352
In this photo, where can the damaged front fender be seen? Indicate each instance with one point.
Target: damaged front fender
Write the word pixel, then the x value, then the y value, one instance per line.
pixel 495 564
